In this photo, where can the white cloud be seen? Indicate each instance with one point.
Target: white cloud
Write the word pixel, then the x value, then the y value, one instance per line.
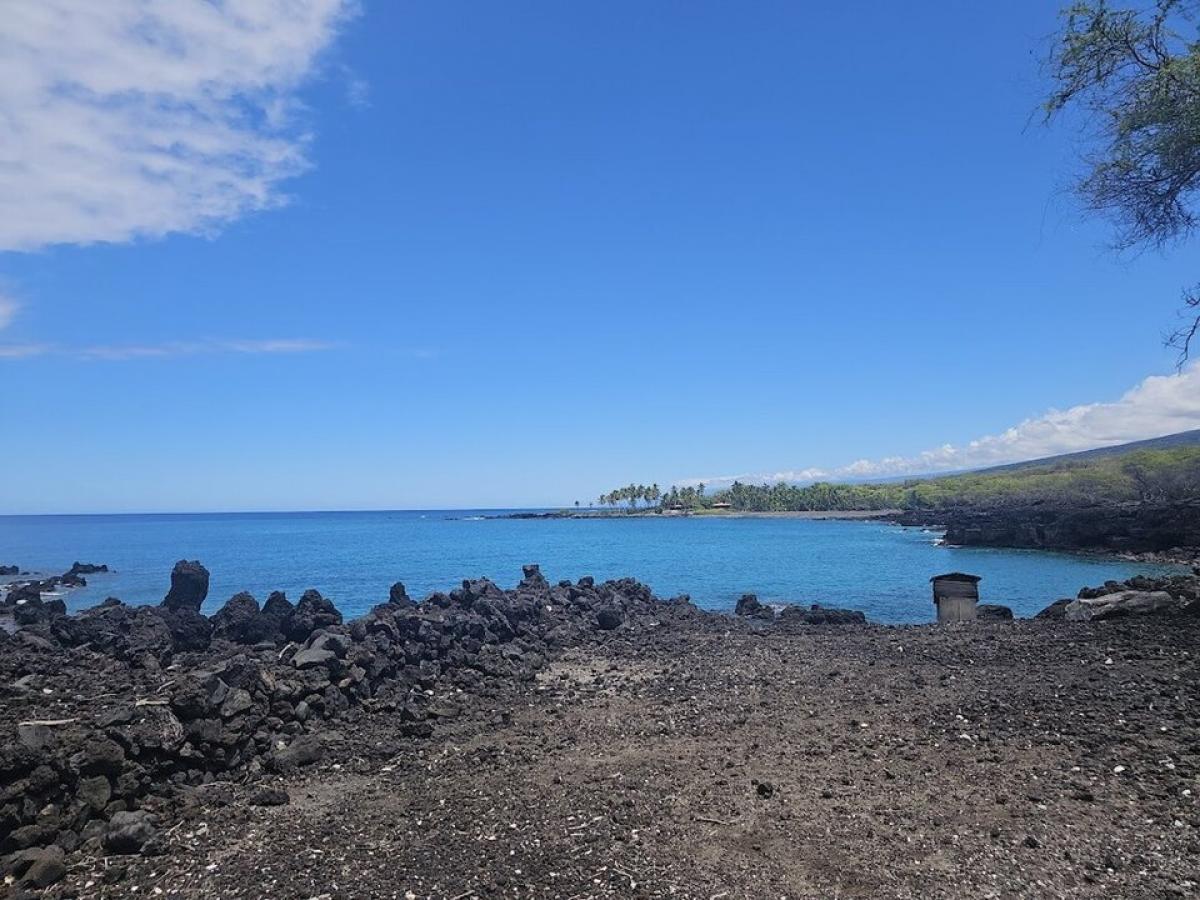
pixel 137 118
pixel 8 311
pixel 169 349
pixel 23 351
pixel 166 350
pixel 1159 405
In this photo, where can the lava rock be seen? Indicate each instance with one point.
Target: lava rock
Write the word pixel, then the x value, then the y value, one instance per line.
pixel 270 797
pixel 1056 610
pixel 311 613
pixel 79 568
pixel 822 615
pixel 1120 604
pixel 241 622
pixel 189 586
pixel 993 612
pixel 303 751
pixel 47 867
pixel 129 832
pixel 609 618
pixel 749 606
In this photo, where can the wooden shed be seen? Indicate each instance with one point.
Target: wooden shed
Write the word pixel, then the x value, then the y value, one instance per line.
pixel 955 594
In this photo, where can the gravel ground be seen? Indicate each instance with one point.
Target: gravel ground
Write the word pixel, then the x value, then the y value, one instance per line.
pixel 1027 759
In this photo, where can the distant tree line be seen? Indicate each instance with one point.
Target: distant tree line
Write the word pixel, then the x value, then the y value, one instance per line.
pixel 1146 476
pixel 632 494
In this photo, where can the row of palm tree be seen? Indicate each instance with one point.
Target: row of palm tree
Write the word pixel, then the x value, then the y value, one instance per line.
pixel 632 494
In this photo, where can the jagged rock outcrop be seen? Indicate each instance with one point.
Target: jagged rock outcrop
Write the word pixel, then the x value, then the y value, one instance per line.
pixel 240 621
pixel 79 568
pixel 189 586
pixel 748 605
pixel 1125 528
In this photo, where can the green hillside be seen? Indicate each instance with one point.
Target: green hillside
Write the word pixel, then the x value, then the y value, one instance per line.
pixel 1153 475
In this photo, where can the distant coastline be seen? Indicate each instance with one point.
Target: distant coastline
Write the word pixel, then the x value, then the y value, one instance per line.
pixel 819 514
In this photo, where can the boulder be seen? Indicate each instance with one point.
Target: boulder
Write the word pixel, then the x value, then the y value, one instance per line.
pixel 398 595
pixel 277 610
pixel 241 622
pixel 189 586
pixel 9 570
pixel 303 751
pixel 189 629
pixel 270 797
pixel 47 867
pixel 609 618
pixel 25 593
pixel 533 579
pixel 79 568
pixel 993 612
pixel 821 615
pixel 1056 610
pixel 123 632
pixel 313 658
pixel 749 606
pixel 129 832
pixel 1122 603
pixel 311 613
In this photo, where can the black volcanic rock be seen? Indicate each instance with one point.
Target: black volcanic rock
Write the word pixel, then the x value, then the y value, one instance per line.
pixel 1116 527
pixel 189 629
pixel 608 618
pixel 749 606
pixel 398 595
pixel 9 570
pixel 241 621
pixel 993 612
pixel 822 615
pixel 312 612
pixel 189 586
pixel 79 568
pixel 1056 610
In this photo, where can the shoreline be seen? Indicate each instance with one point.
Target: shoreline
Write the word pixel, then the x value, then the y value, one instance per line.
pixel 439 746
pixel 816 515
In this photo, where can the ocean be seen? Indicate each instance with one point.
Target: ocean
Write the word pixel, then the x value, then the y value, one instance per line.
pixel 353 557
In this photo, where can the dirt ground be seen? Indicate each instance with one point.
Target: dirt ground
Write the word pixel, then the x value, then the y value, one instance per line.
pixel 1027 759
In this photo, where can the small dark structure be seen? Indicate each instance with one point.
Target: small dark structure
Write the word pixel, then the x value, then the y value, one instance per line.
pixel 956 596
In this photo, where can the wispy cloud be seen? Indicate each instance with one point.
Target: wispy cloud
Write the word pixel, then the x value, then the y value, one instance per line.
pixel 23 351
pixel 8 311
pixel 139 118
pixel 1159 405
pixel 166 350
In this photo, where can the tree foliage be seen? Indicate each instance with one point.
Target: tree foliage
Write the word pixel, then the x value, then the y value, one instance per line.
pixel 1145 476
pixel 1136 73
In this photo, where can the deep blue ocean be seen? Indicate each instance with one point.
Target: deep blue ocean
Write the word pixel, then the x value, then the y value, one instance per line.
pixel 353 557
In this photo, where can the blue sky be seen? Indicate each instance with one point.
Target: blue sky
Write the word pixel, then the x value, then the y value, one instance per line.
pixel 449 254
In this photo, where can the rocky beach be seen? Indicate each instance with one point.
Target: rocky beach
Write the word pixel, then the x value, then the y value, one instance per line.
pixel 591 740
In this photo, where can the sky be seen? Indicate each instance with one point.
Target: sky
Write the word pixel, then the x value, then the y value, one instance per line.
pixel 322 254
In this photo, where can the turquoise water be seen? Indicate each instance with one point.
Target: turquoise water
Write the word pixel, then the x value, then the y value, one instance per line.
pixel 353 558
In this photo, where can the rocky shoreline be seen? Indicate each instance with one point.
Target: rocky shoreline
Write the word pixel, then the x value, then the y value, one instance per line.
pixel 177 699
pixel 1140 531
pixel 120 719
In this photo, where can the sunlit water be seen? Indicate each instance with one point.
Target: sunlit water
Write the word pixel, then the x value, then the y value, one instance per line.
pixel 353 558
